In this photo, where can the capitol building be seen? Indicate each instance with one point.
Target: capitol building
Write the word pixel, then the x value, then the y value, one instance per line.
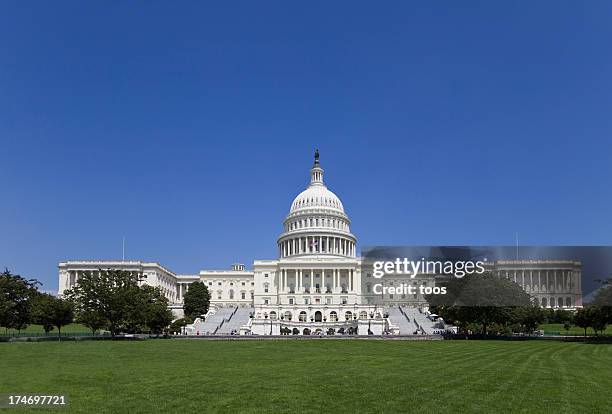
pixel 319 284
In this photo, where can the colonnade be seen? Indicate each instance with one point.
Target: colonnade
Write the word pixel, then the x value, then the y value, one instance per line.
pixel 317 280
pixel 317 244
pixel 545 280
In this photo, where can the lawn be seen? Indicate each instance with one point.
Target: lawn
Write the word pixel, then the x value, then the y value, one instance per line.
pixel 73 328
pixel 313 376
pixel 558 329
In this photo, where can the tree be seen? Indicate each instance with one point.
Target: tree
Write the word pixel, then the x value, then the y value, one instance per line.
pixel 583 319
pixel 196 300
pixel 92 319
pixel 603 299
pixel 42 311
pixel 599 318
pixel 567 325
pixel 157 314
pixel 485 300
pixel 62 314
pixel 110 296
pixel 177 325
pixel 530 317
pixel 16 295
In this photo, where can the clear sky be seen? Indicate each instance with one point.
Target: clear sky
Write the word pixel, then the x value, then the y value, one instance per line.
pixel 190 129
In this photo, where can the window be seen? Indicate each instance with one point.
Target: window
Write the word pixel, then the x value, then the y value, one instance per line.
pixel 231 294
pixel 266 287
pixel 291 300
pixel 328 301
pixel 333 316
pixel 288 315
pixel 363 315
pixel 219 283
pixel 344 300
pixel 306 301
pixel 209 283
pixel 273 315
pixel 348 315
pixel 302 316
pixel 243 295
pixel 243 283
pixel 265 275
pixel 266 301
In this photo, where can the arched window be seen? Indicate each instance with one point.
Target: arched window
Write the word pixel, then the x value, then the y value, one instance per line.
pixel 302 316
pixel 348 315
pixel 363 315
pixel 568 302
pixel 288 316
pixel 333 316
pixel 544 303
pixel 560 302
pixel 273 315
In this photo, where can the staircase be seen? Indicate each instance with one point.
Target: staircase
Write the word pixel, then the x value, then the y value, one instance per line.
pixel 420 320
pixel 397 318
pixel 212 323
pixel 239 318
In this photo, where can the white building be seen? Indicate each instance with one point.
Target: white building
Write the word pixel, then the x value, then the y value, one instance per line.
pixel 318 283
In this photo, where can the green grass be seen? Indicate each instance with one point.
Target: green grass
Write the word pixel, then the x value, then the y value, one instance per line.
pixel 557 328
pixel 38 329
pixel 313 376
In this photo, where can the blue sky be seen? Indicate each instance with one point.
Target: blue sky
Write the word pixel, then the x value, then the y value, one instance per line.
pixel 190 129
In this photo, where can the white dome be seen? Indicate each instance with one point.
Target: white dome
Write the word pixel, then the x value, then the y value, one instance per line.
pixel 317 196
pixel 316 223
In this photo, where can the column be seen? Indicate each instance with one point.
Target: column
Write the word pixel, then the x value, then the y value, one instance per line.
pixel 320 244
pixel 312 283
pixel 351 279
pixel 323 285
pixel 335 282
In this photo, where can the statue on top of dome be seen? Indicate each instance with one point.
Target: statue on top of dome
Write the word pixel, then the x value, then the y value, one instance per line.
pixel 316 156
